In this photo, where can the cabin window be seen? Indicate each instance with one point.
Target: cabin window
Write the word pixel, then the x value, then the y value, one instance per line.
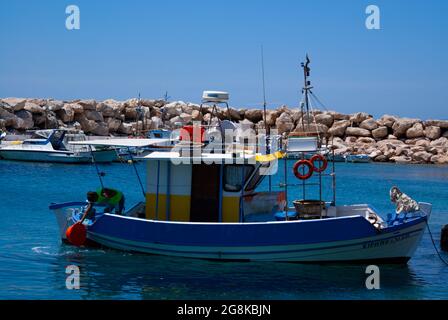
pixel 233 176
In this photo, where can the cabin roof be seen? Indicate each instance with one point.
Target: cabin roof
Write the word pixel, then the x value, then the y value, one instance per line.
pixel 126 142
pixel 213 156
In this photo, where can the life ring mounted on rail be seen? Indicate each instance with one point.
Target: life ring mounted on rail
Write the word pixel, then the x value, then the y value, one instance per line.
pixel 321 158
pixel 303 163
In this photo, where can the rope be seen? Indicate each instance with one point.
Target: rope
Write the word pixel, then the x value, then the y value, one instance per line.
pixel 318 101
pixel 435 246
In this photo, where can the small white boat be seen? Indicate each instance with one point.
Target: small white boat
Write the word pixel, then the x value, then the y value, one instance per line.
pixel 357 158
pixel 53 146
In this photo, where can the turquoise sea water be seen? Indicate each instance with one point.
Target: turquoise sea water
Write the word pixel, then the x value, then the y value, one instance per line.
pixel 33 260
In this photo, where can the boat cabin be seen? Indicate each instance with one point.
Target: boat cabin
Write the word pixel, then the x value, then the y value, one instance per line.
pixel 211 188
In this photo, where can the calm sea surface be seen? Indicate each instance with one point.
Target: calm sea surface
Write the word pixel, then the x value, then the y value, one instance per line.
pixel 33 260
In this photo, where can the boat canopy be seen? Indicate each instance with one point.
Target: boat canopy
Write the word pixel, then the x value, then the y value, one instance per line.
pixel 131 143
pixel 215 157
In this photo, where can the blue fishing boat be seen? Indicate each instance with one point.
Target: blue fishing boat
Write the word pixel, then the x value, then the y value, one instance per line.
pixel 198 203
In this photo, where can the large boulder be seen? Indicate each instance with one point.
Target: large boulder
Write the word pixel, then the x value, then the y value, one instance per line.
pixel 432 132
pixel 402 125
pixel 9 118
pixel 284 123
pixel 271 117
pixel 359 117
pixel 77 108
pixel 27 120
pixel 358 132
pixel 16 104
pixel 88 104
pixel 254 115
pixel 94 115
pixel 54 105
pixel 422 156
pixel 437 123
pixel 338 128
pixel 439 159
pixel 33 107
pixel 401 159
pixel 369 124
pixel 66 114
pixel 325 118
pixel 113 124
pixel 441 142
pixel 126 128
pixel 100 129
pixel 387 120
pixel 339 116
pixel 416 131
pixel 380 132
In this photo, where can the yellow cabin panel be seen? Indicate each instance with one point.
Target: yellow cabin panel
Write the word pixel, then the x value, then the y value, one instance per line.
pixel 230 209
pixel 179 207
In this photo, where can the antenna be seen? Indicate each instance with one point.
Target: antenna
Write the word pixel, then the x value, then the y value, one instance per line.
pixel 264 90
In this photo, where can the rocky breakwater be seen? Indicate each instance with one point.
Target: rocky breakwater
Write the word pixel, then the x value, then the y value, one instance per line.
pixel 387 139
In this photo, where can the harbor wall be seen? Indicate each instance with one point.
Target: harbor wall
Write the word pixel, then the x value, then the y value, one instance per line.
pixel 387 139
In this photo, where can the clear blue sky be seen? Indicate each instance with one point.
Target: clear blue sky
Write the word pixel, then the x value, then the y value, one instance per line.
pixel 185 47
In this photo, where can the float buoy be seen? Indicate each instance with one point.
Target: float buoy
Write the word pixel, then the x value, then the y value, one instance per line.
pixel 76 234
pixel 319 157
pixel 304 163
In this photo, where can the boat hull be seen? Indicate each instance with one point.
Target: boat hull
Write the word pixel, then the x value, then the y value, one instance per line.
pixel 342 240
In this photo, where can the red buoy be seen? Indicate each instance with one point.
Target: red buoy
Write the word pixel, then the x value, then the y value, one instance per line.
pixel 76 234
pixel 306 164
pixel 321 158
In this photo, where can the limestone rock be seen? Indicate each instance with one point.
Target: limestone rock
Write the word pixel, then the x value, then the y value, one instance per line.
pixel 33 107
pixel 27 120
pixel 284 123
pixel 369 124
pixel 254 115
pixel 16 104
pixel 437 123
pixel 401 126
pixel 94 115
pixel 358 132
pixel 66 114
pixel 422 156
pixel 432 132
pixel 359 117
pixel 380 132
pixel 416 131
pixel 88 104
pixel 325 118
pixel 401 159
pixel 387 120
pixel 338 128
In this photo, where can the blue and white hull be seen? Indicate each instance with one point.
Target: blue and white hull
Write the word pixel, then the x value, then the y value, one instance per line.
pixel 343 239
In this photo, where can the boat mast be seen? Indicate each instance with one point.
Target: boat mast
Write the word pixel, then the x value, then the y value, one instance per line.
pixel 305 90
pixel 264 92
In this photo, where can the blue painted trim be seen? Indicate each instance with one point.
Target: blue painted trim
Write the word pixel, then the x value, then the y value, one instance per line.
pixel 222 253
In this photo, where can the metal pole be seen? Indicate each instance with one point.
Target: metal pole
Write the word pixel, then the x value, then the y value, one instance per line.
pixel 286 188
pixel 96 167
pixel 136 172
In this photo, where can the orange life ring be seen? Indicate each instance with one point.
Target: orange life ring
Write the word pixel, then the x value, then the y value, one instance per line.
pixel 76 234
pixel 305 163
pixel 319 157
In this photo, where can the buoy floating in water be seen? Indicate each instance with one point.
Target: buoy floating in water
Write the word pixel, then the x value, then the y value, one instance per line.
pixel 76 234
pixel 444 238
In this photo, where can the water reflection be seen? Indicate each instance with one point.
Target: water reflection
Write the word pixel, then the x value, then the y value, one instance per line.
pixel 109 274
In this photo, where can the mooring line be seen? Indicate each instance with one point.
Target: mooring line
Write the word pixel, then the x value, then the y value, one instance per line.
pixel 435 246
